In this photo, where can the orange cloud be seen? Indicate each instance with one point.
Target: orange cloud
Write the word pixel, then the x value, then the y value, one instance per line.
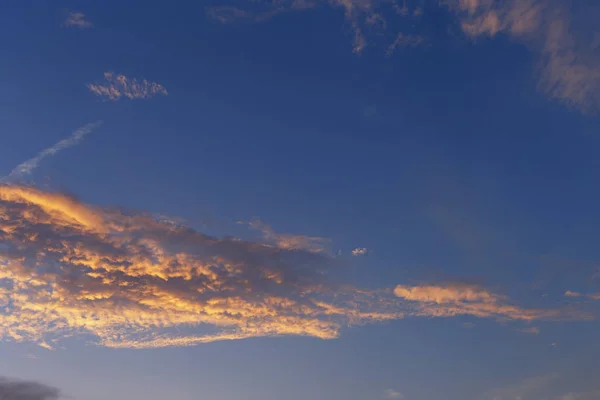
pixel 118 86
pixel 67 268
pixel 453 300
pixel 136 281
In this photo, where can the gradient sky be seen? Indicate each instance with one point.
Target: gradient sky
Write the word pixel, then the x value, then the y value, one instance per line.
pixel 300 199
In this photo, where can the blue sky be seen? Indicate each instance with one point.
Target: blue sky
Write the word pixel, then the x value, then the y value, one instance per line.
pixel 327 200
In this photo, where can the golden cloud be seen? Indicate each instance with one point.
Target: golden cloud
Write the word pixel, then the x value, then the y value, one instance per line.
pixel 132 280
pixel 454 300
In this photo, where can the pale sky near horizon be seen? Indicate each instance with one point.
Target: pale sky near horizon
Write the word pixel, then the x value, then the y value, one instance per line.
pixel 300 199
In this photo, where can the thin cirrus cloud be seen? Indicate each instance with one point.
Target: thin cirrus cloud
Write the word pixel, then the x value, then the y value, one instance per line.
pixel 118 86
pixel 132 280
pixel 76 19
pixel 460 299
pixel 290 242
pixel 392 394
pixel 532 330
pixel 12 389
pixel 26 168
pixel 592 296
pixel 563 37
pixel 360 15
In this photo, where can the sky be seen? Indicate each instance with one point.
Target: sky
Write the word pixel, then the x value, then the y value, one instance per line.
pixel 299 199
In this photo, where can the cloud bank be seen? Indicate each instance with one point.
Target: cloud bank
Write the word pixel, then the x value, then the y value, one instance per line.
pixel 27 167
pixel 118 86
pixel 11 389
pixel 132 280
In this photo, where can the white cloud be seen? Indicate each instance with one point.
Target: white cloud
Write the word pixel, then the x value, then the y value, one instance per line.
pixel 27 167
pixel 392 394
pixel 118 86
pixel 360 251
pixel 77 19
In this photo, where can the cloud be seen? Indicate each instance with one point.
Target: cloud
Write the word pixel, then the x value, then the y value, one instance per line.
pixel 404 40
pixel 563 37
pixel 592 296
pixel 118 86
pixel 360 251
pixel 392 394
pixel 533 330
pixel 12 389
pixel 569 293
pixel 27 167
pixel 290 242
pixel 77 20
pixel 228 15
pixel 133 280
pixel 362 15
pixel 460 299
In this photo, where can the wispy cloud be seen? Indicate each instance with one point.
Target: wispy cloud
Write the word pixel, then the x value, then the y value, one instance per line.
pixel 26 168
pixel 392 394
pixel 290 242
pixel 132 280
pixel 360 251
pixel 360 14
pixel 12 389
pixel 569 293
pixel 460 299
pixel 117 86
pixel 562 36
pixel 592 296
pixel 405 40
pixel 77 19
pixel 532 330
